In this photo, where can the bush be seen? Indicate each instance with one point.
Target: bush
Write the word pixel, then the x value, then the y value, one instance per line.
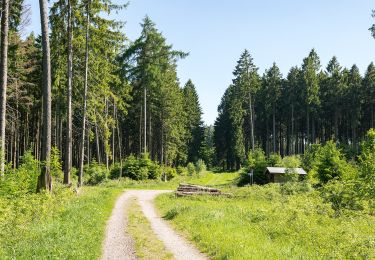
pixel 23 180
pixel 181 170
pixel 291 162
pixel 95 173
pixel 56 168
pixel 169 172
pixel 140 169
pixel 330 164
pixel 115 171
pixel 291 188
pixel 257 162
pixel 274 160
pixel 342 195
pixel 200 166
pixel 367 165
pixel 154 171
pixel 191 169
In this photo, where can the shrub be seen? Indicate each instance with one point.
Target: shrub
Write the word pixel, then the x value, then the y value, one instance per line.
pixel 169 172
pixel 181 170
pixel 200 166
pixel 115 171
pixel 367 165
pixel 256 161
pixel 274 160
pixel 330 164
pixel 291 162
pixel 342 195
pixel 139 169
pixel 290 188
pixel 131 168
pixel 56 168
pixel 191 169
pixel 154 171
pixel 95 173
pixel 23 180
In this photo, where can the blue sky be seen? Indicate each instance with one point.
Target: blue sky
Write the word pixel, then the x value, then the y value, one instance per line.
pixel 215 32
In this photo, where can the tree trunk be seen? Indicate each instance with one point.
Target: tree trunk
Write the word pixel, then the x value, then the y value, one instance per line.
pixel 292 134
pixel 251 123
pixel 4 79
pixel 68 147
pixel 145 121
pixel 98 157
pixel 336 122
pixel 45 179
pixel 119 143
pixel 81 159
pixel 274 128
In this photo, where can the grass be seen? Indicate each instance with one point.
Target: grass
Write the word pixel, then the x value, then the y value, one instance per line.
pixel 148 246
pixel 206 178
pixel 265 223
pixel 59 226
pixel 216 179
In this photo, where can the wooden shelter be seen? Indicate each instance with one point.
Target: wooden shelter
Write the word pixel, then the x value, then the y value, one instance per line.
pixel 279 174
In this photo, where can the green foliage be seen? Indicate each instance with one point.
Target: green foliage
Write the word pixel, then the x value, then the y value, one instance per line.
pixel 257 162
pixel 200 166
pixel 290 163
pixel 169 172
pixel 21 181
pixel 140 169
pixel 367 165
pixel 181 170
pixel 190 169
pixel 60 225
pixel 271 222
pixel 330 164
pixel 95 173
pixel 274 160
pixel 56 168
pixel 343 195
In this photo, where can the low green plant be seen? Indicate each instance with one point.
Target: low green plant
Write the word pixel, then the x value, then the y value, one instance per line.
pixel 272 221
pixel 95 173
pixel 181 170
pixel 21 181
pixel 330 164
pixel 190 169
pixel 257 162
pixel 200 166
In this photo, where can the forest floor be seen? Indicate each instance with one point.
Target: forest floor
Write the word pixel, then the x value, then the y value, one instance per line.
pixel 118 242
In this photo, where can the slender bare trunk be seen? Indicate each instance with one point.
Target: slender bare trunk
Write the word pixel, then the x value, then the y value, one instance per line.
pixel 68 147
pixel 4 79
pixel 98 157
pixel 251 123
pixel 274 128
pixel 119 142
pixel 145 121
pixel 45 179
pixel 81 159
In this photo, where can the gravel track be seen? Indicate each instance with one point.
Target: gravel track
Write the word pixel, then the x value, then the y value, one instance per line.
pixel 119 245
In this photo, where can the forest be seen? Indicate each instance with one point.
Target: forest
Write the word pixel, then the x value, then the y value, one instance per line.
pixel 104 98
pixel 87 113
pixel 311 105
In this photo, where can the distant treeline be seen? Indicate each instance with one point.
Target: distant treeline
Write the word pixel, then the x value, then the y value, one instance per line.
pixel 285 115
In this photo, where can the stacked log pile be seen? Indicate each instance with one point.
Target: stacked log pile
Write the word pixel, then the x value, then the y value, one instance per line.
pixel 189 189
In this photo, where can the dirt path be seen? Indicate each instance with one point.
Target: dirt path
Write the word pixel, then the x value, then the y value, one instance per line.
pixel 118 245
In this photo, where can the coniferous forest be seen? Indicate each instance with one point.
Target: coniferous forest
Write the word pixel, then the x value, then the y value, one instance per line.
pixel 105 98
pixel 312 104
pixel 95 127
